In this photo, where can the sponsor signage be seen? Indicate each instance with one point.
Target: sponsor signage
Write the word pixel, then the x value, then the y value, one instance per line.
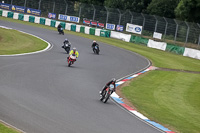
pixel 69 18
pixel 33 11
pixel 5 6
pixel 93 23
pixel 157 35
pixel 100 25
pixel 20 9
pixel 134 28
pixel 87 22
pixel 110 26
pixel 51 15
pixel 120 28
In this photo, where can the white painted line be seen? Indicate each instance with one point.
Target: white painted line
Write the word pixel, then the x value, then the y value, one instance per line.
pixel 47 48
pixel 139 115
pixel 5 123
pixel 120 82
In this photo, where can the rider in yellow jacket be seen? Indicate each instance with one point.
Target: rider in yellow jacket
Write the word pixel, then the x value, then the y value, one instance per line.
pixel 74 51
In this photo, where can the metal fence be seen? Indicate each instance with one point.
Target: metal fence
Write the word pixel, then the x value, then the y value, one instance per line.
pixel 174 31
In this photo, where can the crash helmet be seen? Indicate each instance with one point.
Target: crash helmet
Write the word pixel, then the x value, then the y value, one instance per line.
pixel 74 49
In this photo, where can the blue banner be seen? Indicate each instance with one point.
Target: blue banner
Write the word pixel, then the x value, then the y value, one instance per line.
pixel 33 11
pixel 120 28
pixel 20 9
pixel 5 6
pixel 52 15
pixel 110 26
pixel 68 18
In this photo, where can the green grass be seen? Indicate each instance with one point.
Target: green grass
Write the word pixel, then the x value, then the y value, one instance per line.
pixel 170 98
pixel 14 42
pixel 5 129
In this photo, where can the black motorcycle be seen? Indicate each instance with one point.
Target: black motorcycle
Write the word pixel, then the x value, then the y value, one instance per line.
pixel 106 93
pixel 96 49
pixel 66 47
pixel 61 31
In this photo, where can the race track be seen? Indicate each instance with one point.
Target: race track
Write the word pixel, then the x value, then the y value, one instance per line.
pixel 40 94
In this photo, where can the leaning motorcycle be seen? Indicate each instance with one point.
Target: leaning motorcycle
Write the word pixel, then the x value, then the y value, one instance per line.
pixel 106 93
pixel 61 31
pixel 96 49
pixel 66 47
pixel 71 59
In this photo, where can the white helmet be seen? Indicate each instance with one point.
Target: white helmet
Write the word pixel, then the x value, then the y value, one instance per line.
pixel 94 41
pixel 74 48
pixel 113 79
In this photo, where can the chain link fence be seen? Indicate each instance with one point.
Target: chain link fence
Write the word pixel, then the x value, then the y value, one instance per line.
pixel 174 31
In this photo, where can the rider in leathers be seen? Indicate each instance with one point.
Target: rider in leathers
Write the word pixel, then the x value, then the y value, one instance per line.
pixel 113 81
pixel 95 44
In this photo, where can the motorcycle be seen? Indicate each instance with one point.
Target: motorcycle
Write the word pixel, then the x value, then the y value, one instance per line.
pixel 66 47
pixel 71 59
pixel 61 31
pixel 106 93
pixel 96 49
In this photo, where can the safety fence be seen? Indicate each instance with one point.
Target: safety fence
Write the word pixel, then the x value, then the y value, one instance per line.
pixel 193 53
pixel 174 31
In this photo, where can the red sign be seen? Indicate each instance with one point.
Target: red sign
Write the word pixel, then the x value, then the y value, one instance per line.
pixel 86 22
pixel 100 25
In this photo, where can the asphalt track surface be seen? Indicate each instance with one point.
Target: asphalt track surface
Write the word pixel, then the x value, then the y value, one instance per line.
pixel 40 94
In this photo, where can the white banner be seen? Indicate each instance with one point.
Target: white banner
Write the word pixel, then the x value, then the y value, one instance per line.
pixel 121 36
pixel 157 35
pixel 69 18
pixel 193 53
pixel 157 45
pixel 134 28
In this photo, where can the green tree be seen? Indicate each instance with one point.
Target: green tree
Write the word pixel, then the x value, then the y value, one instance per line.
pixel 188 10
pixel 163 8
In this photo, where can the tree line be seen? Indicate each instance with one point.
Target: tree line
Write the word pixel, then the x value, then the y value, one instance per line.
pixel 185 10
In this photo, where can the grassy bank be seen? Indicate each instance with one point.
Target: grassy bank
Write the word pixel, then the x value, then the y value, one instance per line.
pixel 170 98
pixel 6 129
pixel 15 42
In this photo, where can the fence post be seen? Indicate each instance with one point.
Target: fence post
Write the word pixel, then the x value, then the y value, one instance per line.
pixel 156 23
pixel 66 8
pixel 25 3
pixel 143 22
pixel 107 14
pixel 131 16
pixel 39 4
pixel 94 12
pixel 11 2
pixel 80 12
pixel 199 37
pixel 120 15
pixel 176 31
pixel 188 30
pixel 54 6
pixel 165 27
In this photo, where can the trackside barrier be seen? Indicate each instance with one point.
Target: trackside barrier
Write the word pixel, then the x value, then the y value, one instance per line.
pixel 193 53
pixel 16 15
pixel 121 36
pixel 157 45
pixel 97 32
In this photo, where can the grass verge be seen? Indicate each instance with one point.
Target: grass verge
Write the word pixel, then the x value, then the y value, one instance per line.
pixel 15 42
pixel 167 97
pixel 6 129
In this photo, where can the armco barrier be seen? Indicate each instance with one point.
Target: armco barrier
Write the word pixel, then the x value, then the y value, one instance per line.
pixel 106 33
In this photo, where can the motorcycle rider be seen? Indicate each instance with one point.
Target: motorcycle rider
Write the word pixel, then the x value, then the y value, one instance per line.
pixel 59 27
pixel 113 81
pixel 66 43
pixel 73 51
pixel 95 44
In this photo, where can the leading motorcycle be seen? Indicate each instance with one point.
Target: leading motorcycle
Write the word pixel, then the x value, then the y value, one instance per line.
pixel 106 93
pixel 71 59
pixel 60 31
pixel 96 49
